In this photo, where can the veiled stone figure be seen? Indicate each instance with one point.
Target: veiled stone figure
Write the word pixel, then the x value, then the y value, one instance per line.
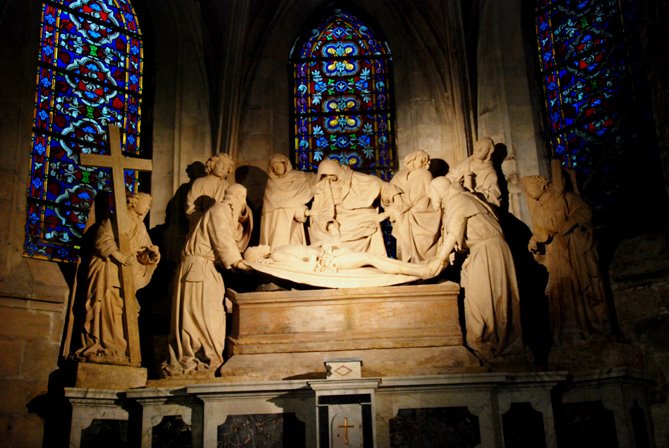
pixel 103 337
pixel 563 241
pixel 491 304
pixel 406 200
pixel 284 209
pixel 210 189
pixel 477 174
pixel 344 210
pixel 197 335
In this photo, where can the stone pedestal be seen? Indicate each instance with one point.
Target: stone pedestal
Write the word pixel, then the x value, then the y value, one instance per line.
pixel 598 409
pixel 107 376
pixel 97 416
pixel 393 330
pixel 493 409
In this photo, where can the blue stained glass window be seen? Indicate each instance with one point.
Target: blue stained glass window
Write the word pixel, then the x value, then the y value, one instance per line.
pixel 585 70
pixel 89 75
pixel 342 97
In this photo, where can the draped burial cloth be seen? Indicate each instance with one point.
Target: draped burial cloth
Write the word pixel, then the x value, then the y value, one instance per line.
pixel 303 273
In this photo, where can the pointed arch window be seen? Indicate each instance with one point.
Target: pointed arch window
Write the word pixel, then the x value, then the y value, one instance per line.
pixel 89 75
pixel 342 96
pixel 585 64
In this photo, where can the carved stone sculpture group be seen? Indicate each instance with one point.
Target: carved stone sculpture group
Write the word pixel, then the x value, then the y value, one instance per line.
pixel 331 221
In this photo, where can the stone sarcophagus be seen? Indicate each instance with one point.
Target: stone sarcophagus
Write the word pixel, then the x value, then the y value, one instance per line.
pixel 392 330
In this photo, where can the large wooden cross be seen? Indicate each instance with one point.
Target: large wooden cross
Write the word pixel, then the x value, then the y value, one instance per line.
pixel 121 225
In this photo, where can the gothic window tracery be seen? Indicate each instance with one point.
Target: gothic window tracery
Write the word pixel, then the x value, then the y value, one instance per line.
pixel 89 75
pixel 585 66
pixel 342 97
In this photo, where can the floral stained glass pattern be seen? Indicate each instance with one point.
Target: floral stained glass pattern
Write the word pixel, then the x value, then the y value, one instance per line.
pixel 584 65
pixel 89 75
pixel 342 99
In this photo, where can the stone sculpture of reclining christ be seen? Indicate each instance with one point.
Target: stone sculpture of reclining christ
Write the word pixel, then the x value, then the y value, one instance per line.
pixel 332 267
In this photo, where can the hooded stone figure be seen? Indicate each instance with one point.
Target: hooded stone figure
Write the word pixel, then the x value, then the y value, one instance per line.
pixel 344 210
pixel 285 201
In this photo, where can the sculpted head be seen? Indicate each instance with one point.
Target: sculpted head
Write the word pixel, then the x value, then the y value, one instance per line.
pixel 484 148
pixel 257 253
pixel 279 165
pixel 417 159
pixel 139 202
pixel 438 190
pixel 534 186
pixel 235 194
pixel 330 169
pixel 220 165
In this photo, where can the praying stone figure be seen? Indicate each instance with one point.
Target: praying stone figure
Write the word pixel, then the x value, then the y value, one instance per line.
pixel 210 189
pixel 284 211
pixel 406 200
pixel 344 211
pixel 563 241
pixel 477 174
pixel 197 335
pixel 491 302
pixel 103 335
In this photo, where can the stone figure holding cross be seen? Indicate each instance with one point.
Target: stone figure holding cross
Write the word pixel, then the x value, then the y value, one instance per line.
pixel 123 262
pixel 103 335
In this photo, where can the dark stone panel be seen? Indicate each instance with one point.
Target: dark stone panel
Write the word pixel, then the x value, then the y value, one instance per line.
pixel 639 426
pixel 171 432
pixel 523 426
pixel 262 431
pixel 103 433
pixel 452 427
pixel 587 424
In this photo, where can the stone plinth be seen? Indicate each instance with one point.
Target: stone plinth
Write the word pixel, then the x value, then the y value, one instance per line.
pixel 394 330
pixel 107 376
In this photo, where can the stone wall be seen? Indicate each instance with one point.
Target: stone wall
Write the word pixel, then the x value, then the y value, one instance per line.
pixel 429 97
pixel 30 338
pixel 640 284
pixel 32 293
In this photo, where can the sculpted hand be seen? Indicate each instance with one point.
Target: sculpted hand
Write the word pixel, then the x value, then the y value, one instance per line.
pixel 120 258
pixel 532 246
pixel 301 215
pixel 148 255
pixel 434 267
pixel 241 266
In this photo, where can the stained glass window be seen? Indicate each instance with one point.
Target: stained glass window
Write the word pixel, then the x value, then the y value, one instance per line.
pixel 585 66
pixel 343 104
pixel 89 75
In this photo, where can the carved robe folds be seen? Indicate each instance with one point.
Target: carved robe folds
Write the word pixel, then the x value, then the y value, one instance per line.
pixel 197 336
